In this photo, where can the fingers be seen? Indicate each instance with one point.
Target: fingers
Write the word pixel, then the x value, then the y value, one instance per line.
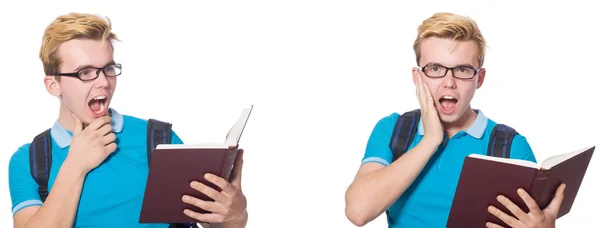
pixel 530 202
pixel 77 125
pixel 111 147
pixel 509 220
pixel 225 186
pixel 100 122
pixel 416 82
pixel 428 96
pixel 414 75
pixel 426 91
pixel 555 204
pixel 204 205
pixel 425 95
pixel 104 130
pixel 419 88
pixel 109 138
pixel 514 209
pixel 493 225
pixel 236 175
pixel 208 191
pixel 212 218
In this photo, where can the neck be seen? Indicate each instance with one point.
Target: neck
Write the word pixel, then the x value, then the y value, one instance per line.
pixel 65 119
pixel 464 122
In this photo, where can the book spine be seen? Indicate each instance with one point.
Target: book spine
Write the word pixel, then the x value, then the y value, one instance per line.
pixel 538 187
pixel 229 162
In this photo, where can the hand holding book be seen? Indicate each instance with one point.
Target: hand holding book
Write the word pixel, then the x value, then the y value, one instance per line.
pixel 227 204
pixel 487 190
pixel 535 218
pixel 200 182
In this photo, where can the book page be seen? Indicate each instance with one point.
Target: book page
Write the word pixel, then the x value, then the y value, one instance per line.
pixel 518 162
pixel 557 159
pixel 231 140
pixel 234 134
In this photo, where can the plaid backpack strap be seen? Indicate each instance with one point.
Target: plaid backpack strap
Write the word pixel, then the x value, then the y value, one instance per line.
pixel 158 133
pixel 501 141
pixel 40 161
pixel 404 132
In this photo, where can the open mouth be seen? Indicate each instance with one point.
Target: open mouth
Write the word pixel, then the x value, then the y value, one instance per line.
pixel 448 103
pixel 98 105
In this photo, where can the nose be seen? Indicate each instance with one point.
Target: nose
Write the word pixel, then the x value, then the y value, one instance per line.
pixel 448 80
pixel 101 81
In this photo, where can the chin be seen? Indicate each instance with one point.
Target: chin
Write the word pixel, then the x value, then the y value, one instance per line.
pixel 451 118
pixel 448 119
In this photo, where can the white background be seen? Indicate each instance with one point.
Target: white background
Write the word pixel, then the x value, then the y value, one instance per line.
pixel 320 74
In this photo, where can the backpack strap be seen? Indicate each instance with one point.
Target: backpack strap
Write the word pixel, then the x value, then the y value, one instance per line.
pixel 40 161
pixel 158 133
pixel 501 141
pixel 404 132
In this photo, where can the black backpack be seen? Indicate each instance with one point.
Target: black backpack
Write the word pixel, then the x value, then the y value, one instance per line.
pixel 40 157
pixel 407 125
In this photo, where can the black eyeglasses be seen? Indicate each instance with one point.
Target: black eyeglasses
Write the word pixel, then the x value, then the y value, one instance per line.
pixel 91 73
pixel 439 71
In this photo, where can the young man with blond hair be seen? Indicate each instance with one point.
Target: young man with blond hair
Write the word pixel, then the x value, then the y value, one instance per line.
pixel 98 165
pixel 412 174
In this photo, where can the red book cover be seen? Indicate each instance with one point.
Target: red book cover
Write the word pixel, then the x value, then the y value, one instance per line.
pixel 483 178
pixel 174 166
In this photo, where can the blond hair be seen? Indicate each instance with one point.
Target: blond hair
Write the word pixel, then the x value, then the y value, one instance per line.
pixel 68 27
pixel 449 25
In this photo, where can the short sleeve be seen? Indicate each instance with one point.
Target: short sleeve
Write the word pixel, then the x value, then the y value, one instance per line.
pixel 22 186
pixel 378 149
pixel 520 149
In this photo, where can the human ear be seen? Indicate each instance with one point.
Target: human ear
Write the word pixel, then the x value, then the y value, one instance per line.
pixel 480 77
pixel 52 85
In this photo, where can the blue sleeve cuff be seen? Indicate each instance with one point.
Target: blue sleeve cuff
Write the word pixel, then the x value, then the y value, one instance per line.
pixel 377 149
pixel 25 204
pixel 375 159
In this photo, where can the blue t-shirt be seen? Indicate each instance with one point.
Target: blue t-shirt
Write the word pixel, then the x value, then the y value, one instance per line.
pixel 426 203
pixel 112 193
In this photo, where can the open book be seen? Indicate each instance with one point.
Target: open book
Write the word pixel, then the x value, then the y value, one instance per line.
pixel 174 166
pixel 483 178
pixel 231 140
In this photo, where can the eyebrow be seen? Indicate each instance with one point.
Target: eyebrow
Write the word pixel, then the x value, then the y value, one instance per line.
pixel 88 66
pixel 459 65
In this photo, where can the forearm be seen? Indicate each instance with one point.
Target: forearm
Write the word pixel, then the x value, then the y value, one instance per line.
pixel 60 207
pixel 373 192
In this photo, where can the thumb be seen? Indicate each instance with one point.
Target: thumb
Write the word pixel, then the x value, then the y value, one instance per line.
pixel 236 177
pixel 77 125
pixel 554 206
